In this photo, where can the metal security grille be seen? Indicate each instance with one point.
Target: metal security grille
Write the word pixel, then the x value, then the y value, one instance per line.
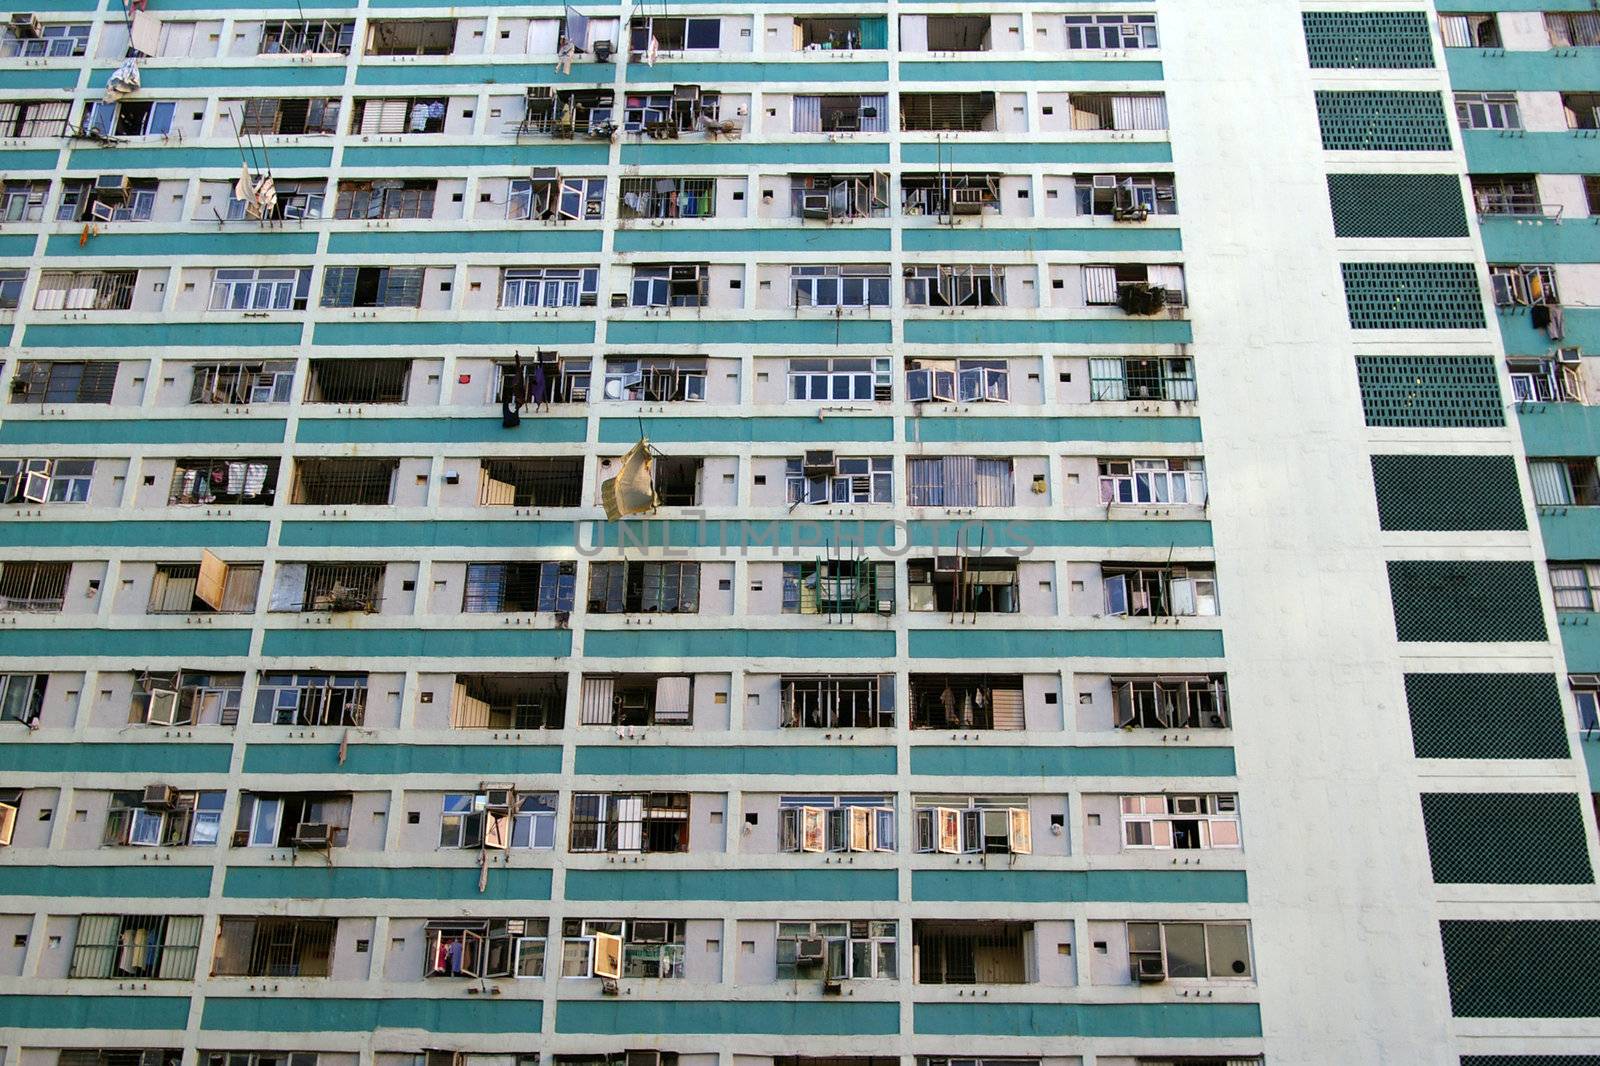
pixel 1506 839
pixel 1432 392
pixel 1412 295
pixel 1368 40
pixel 1449 600
pixel 1397 205
pixel 1486 716
pixel 1527 969
pixel 1375 120
pixel 1447 492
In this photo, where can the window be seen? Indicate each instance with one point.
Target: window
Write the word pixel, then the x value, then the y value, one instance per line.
pixel 54 40
pixel 668 198
pixel 839 286
pixel 34 118
pixel 292 820
pixel 11 282
pixel 655 380
pixel 1576 585
pixel 326 587
pixel 85 290
pixel 326 482
pixel 550 196
pixel 549 287
pixel 371 287
pixel 239 481
pixel 502 588
pixel 960 481
pixel 185 698
pixel 1561 482
pixel 644 588
pixel 840 114
pixel 403 116
pixel 1180 823
pixel 1488 111
pixel 261 289
pixel 1567 29
pixel 1159 591
pixel 163 817
pixel 668 286
pixel 545 380
pixel 22 696
pixel 1525 284
pixel 838 587
pixel 45 480
pixel 840 379
pixel 128 1057
pixel 955 286
pixel 291 116
pixel 255 1058
pixel 493 947
pixel 1582 109
pixel 274 947
pixel 1129 286
pixel 411 37
pixel 1118 111
pixel 296 37
pixel 1175 702
pixel 10 800
pixel 971 952
pixel 508 701
pixel 387 198
pixel 306 699
pixel 844 480
pixel 242 383
pixel 947 111
pixel 295 200
pixel 1191 949
pixel 22 201
pixel 614 948
pixel 675 34
pixel 837 951
pixel 967 825
pixel 1470 31
pixel 637 699
pixel 33 586
pixel 967 701
pixel 963 585
pixel 499 819
pixel 1131 196
pixel 148 946
pixel 1506 194
pixel 129 118
pixel 629 822
pixel 836 823
pixel 64 382
pixel 1111 31
pixel 228 588
pixel 1177 481
pixel 1545 381
pixel 834 701
pixel 1586 694
pixel 958 380
pixel 1129 378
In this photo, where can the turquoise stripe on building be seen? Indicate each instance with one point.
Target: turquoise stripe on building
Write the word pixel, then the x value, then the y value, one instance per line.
pixel 498 759
pixel 1503 70
pixel 1172 430
pixel 64 5
pixel 1125 238
pixel 740 533
pixel 14 245
pixel 991 761
pixel 109 882
pixel 535 429
pixel 1142 1021
pixel 1591 759
pixel 998 70
pixel 143 430
pixel 417 643
pixel 1020 533
pixel 467 242
pixel 82 1010
pixel 1559 429
pixel 821 153
pixel 1519 152
pixel 1571 533
pixel 508 533
pixel 841 428
pixel 58 78
pixel 457 157
pixel 247 5
pixel 676 760
pixel 808 239
pixel 788 1018
pixel 1509 240
pixel 1582 328
pixel 1048 331
pixel 959 153
pixel 502 334
pixel 1066 643
pixel 35 159
pixel 162 335
pixel 518 75
pixel 172 159
pixel 159 644
pixel 356 882
pixel 814 72
pixel 824 886
pixel 1475 6
pixel 1580 639
pixel 737 644
pixel 92 758
pixel 232 242
pixel 130 534
pixel 811 332
pixel 329 1014
pixel 1078 886
pixel 260 74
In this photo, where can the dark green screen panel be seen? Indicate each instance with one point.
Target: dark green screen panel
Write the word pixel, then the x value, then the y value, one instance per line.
pixel 1499 838
pixel 1523 969
pixel 1430 391
pixel 1448 493
pixel 1397 205
pixel 1486 716
pixel 1412 295
pixel 1368 40
pixel 1466 600
pixel 1530 1060
pixel 1381 120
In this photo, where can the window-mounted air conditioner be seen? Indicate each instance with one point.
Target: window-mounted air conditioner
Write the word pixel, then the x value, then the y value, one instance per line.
pixel 159 797
pixel 1104 181
pixel 25 24
pixel 809 951
pixel 111 186
pixel 497 799
pixel 312 836
pixel 1569 356
pixel 1150 969
pixel 818 464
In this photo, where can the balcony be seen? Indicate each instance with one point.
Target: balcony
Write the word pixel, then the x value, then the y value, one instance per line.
pixel 274 947
pixel 334 482
pixel 508 701
pixel 970 952
pixel 967 701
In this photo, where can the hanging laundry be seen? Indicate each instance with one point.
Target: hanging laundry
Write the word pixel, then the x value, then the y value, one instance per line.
pixel 652 51
pixel 565 54
pixel 1556 327
pixel 123 80
pixel 632 490
pixel 1539 316
pixel 419 118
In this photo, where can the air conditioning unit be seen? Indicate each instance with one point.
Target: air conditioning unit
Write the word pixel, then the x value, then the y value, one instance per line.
pixel 603 50
pixel 111 186
pixel 550 174
pixel 814 205
pixel 642 1058
pixel 313 836
pixel 683 273
pixel 1569 356
pixel 818 463
pixel 650 932
pixel 1104 181
pixel 159 797
pixel 947 564
pixel 497 799
pixel 809 952
pixel 1149 969
pixel 25 25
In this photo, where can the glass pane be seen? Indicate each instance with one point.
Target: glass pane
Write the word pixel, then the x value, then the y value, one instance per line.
pixel 1186 950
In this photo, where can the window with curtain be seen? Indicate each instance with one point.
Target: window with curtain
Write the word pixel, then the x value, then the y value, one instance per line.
pixel 162 947
pixel 1552 484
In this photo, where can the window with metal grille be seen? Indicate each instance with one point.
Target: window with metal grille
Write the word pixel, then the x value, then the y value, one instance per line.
pixel 173 588
pixel 1564 482
pixel 411 37
pixel 637 699
pixel 120 1057
pixel 404 115
pixel 385 198
pixel 326 482
pixel 1397 205
pixel 946 111
pixel 1573 29
pixel 85 290
pixel 37 381
pixel 967 701
pixel 1368 40
pixel 1412 296
pixel 1128 378
pixel 508 701
pixel 302 699
pixel 644 588
pixel 290 116
pixel 274 947
pixel 960 481
pixel 147 946
pixel 34 118
pixel 1436 391
pixel 629 821
pixel 32 586
pixel 299 36
pixel 838 587
pixel 668 198
pixel 237 481
pixel 971 952
pixel 316 820
pixel 1516 195
pixel 358 381
pixel 540 482
pixel 372 287
pixel 499 588
pixel 829 701
pixel 327 587
pixel 1382 120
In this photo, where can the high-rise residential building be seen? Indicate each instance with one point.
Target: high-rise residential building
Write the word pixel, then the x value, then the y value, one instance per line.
pixel 799 534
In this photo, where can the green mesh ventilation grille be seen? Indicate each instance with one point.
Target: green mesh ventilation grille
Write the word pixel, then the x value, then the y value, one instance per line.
pixel 1447 493
pixel 1450 600
pixel 1489 838
pixel 1430 392
pixel 1530 1060
pixel 1412 295
pixel 1529 969
pixel 1375 120
pixel 1486 716
pixel 1368 40
pixel 1397 205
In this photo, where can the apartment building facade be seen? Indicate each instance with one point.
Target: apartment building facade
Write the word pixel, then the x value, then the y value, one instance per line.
pixel 1090 615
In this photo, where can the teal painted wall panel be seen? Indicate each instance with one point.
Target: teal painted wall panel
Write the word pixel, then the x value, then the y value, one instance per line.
pixel 355 882
pixel 1591 759
pixel 1571 532
pixel 765 73
pixel 143 430
pixel 732 885
pixel 1514 5
pixel 466 242
pixel 114 1010
pixel 123 534
pixel 736 643
pixel 508 533
pixel 1165 430
pixel 818 152
pixel 485 429
pixel 771 331
pixel 584 76
pixel 13 245
pixel 951 533
pixel 1559 429
pixel 445 334
pixel 172 159
pixel 1518 152
pixel 1061 644
pixel 64 5
pixel 1582 328
pixel 1126 238
pixel 130 643
pixel 1502 70
pixel 60 78
pixel 1048 331
pixel 789 1018
pixel 1078 886
pixel 470 760
pixel 956 154
pixel 457 156
pixel 739 534
pixel 1508 240
pixel 1580 640
pixel 162 335
pixel 988 761
pixel 87 758
pixel 110 882
pixel 336 1015
pixel 673 760
pixel 237 242
pixel 1192 1021
pixel 28 159
pixel 807 239
pixel 993 70
pixel 418 643
pixel 259 74
pixel 841 429
pixel 1019 533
